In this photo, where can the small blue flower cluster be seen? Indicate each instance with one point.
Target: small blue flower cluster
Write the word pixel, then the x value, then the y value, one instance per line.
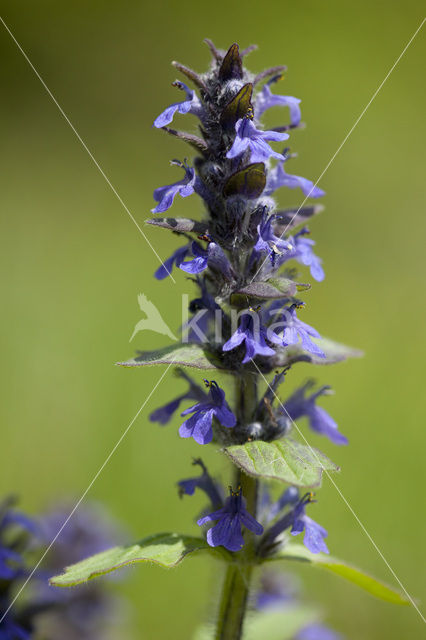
pixel 44 611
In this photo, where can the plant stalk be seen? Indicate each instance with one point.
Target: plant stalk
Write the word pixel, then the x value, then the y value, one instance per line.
pixel 236 586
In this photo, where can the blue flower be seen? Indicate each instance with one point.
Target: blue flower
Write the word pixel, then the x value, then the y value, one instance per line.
pixel 185 187
pixel 11 561
pixel 231 517
pixel 192 105
pixel 297 519
pixel 266 99
pixel 299 405
pixel 16 534
pixel 314 532
pixel 253 336
pixel 267 241
pixel 295 331
pixel 304 253
pixel 317 632
pixel 86 612
pixel 248 137
pixel 213 257
pixel 203 482
pixel 289 497
pixel 198 263
pixel 9 628
pixel 164 414
pixel 199 425
pixel 277 178
pixel 175 259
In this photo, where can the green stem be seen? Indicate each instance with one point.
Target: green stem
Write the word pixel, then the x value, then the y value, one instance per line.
pixel 236 586
pixel 233 604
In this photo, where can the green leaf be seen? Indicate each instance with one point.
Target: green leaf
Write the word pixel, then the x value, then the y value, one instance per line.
pixel 286 460
pixel 186 355
pixel 164 549
pixel 334 352
pixel 346 571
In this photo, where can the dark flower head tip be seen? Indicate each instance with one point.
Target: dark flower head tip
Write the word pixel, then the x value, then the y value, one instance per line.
pixel 308 498
pixel 210 383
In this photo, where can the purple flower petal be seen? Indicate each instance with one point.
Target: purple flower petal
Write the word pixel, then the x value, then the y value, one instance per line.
pixel 192 105
pixel 248 137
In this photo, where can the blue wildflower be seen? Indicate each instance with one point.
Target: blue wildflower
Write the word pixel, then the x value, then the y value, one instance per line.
pixel 11 561
pixel 231 517
pixel 266 99
pixel 86 612
pixel 317 632
pixel 248 137
pixel 185 187
pixel 10 629
pixel 199 425
pixel 314 532
pixel 203 482
pixel 192 105
pixel 254 337
pixel 198 263
pixel 304 253
pixel 268 242
pixel 300 405
pixel 295 331
pixel 213 257
pixel 296 518
pixel 16 533
pixel 175 259
pixel 164 414
pixel 289 497
pixel 277 177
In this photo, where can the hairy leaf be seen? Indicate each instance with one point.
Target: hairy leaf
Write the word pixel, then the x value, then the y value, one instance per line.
pixel 273 288
pixel 286 220
pixel 164 549
pixel 186 355
pixel 198 143
pixel 183 225
pixel 249 182
pixel 286 460
pixel 334 352
pixel 344 570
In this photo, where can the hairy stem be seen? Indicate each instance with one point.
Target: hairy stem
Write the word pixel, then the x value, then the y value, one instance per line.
pixel 233 604
pixel 236 586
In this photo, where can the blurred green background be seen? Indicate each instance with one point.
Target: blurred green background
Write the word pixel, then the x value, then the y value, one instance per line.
pixel 73 264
